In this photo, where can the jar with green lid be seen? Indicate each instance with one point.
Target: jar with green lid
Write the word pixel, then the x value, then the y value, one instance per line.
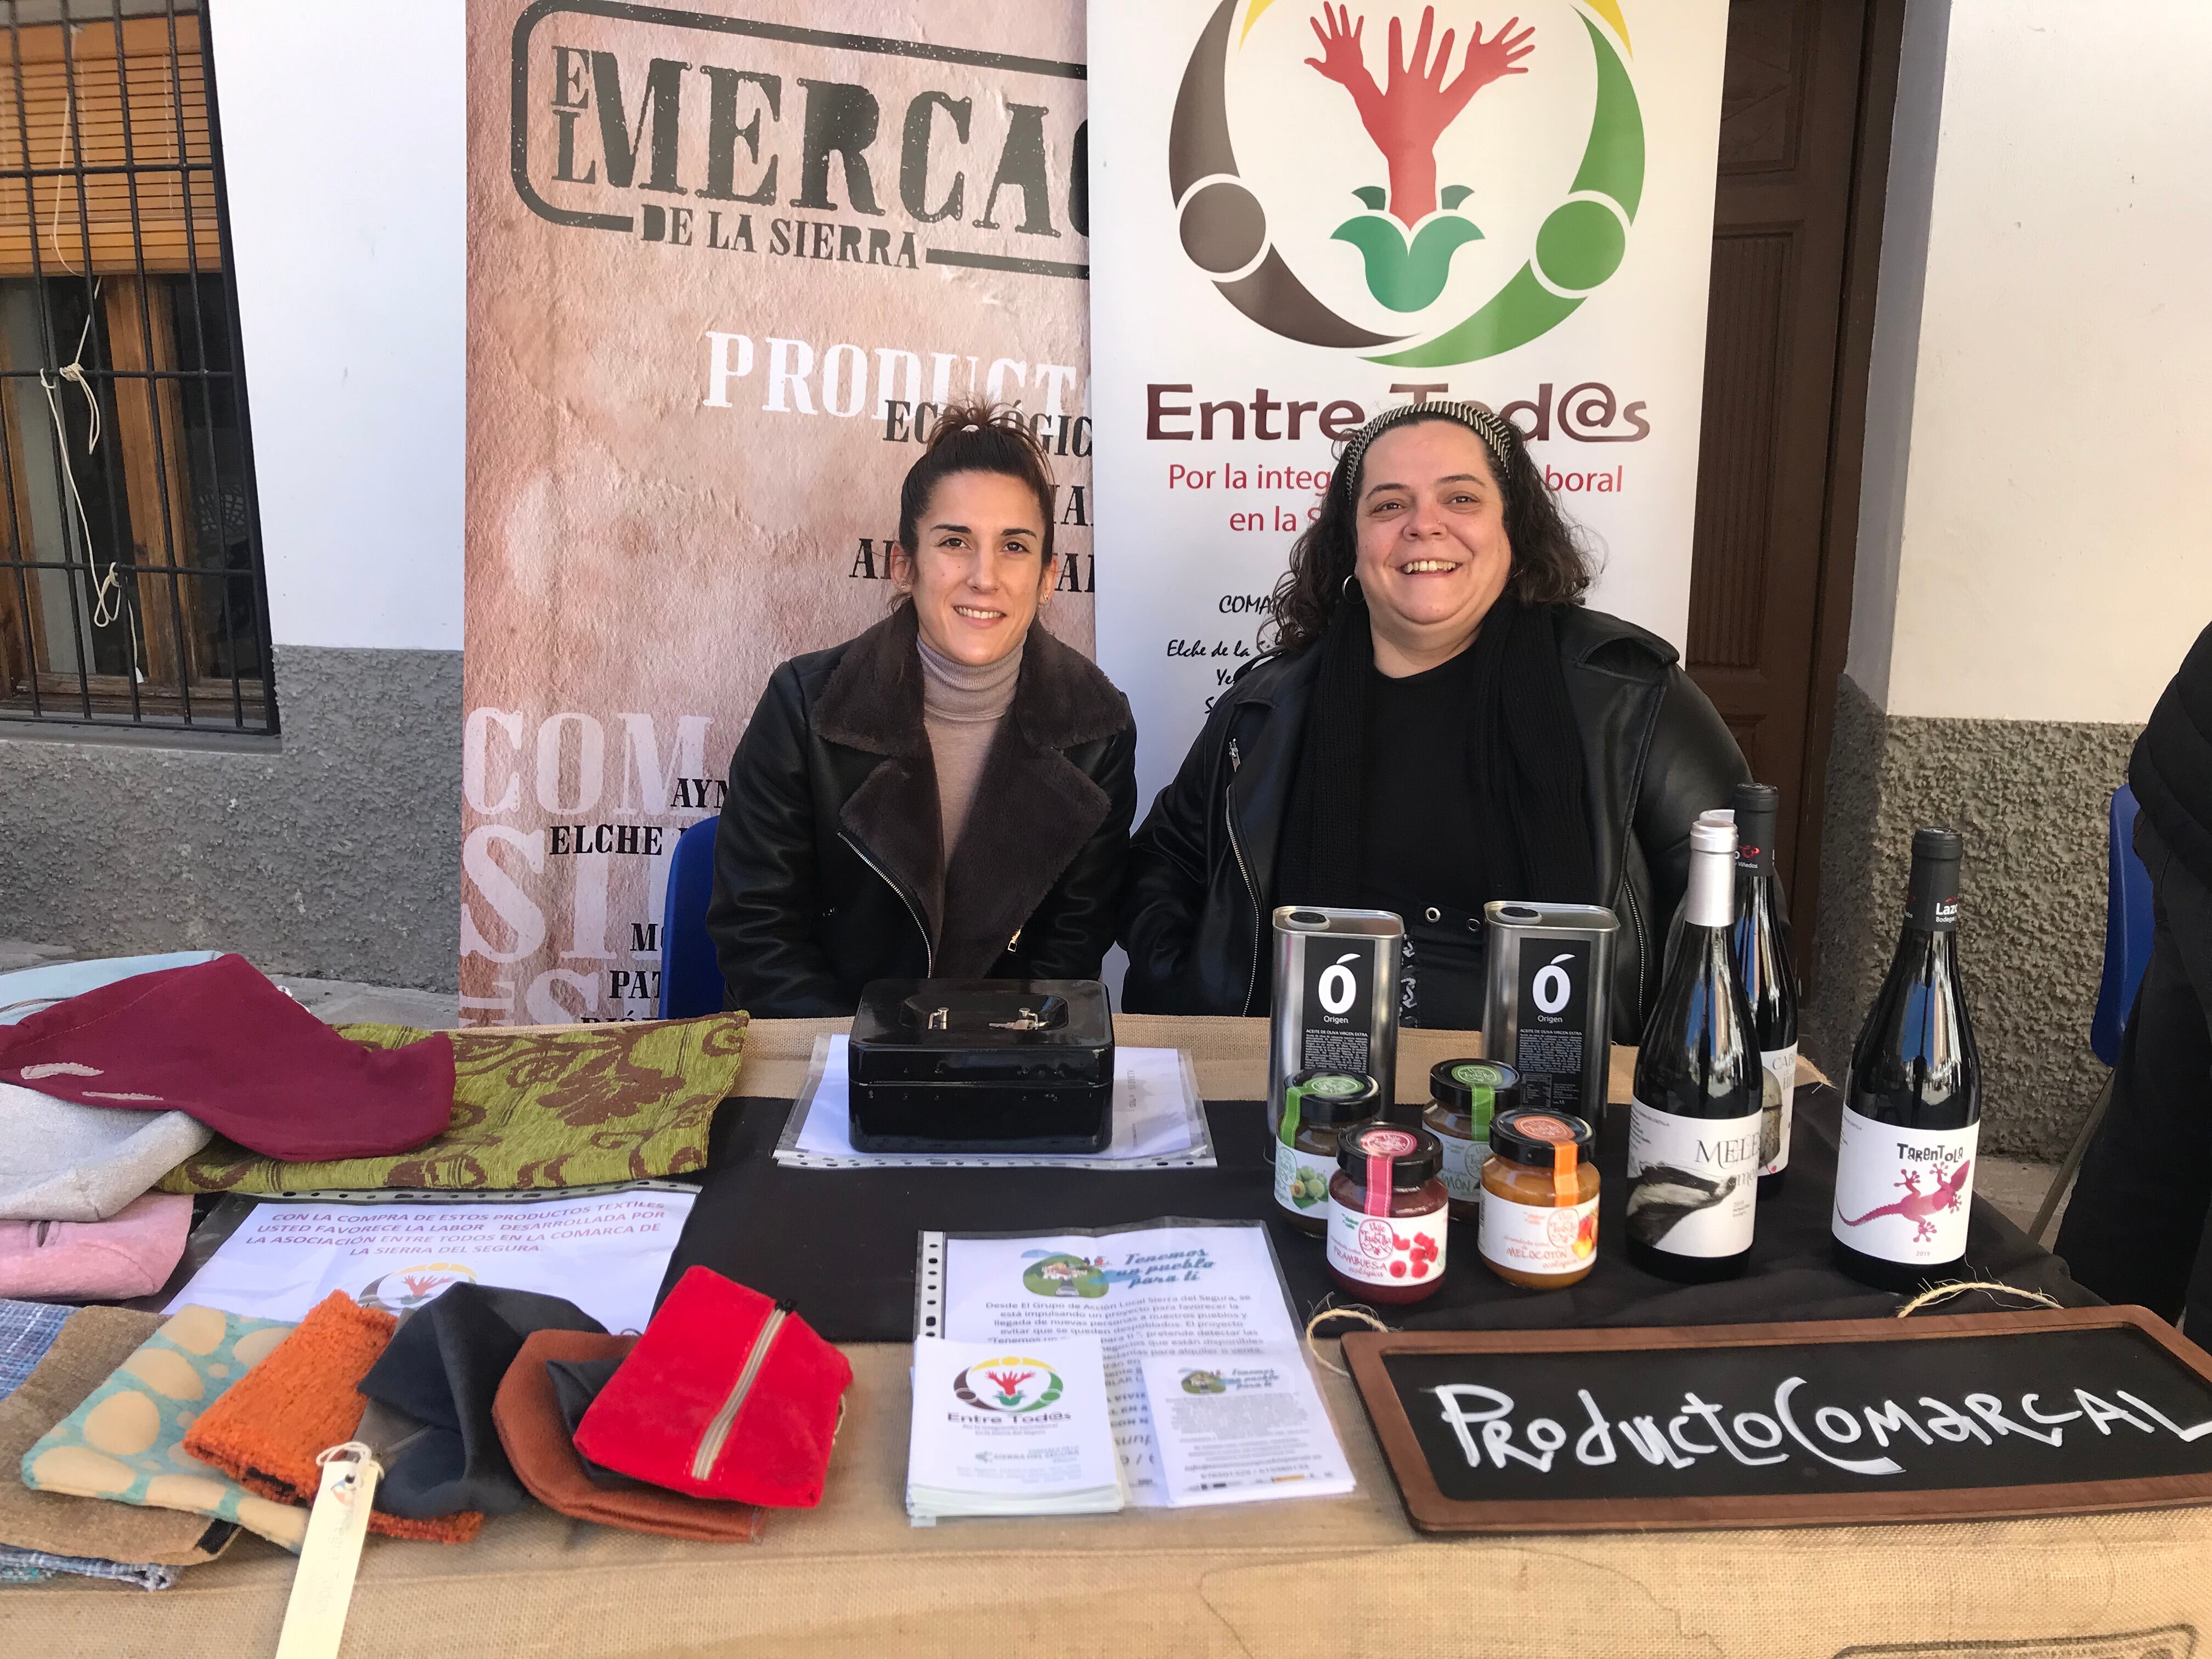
pixel 1464 1095
pixel 1316 1105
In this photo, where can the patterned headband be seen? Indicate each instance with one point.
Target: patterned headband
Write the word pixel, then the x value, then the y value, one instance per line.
pixel 1499 436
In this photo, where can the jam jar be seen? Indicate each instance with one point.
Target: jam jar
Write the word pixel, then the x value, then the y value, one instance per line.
pixel 1464 1095
pixel 1316 1105
pixel 1387 1212
pixel 1539 1200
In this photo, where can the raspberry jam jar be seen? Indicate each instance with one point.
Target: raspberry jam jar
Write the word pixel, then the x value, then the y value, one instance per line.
pixel 1464 1095
pixel 1387 1213
pixel 1539 1200
pixel 1316 1107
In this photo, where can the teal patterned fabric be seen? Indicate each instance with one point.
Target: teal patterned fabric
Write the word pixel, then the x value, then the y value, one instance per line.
pixel 126 1442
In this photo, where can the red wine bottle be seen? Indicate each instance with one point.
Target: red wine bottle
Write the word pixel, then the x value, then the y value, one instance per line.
pixel 1693 1127
pixel 1769 981
pixel 1912 1098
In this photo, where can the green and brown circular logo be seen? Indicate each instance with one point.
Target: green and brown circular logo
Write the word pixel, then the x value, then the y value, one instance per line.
pixel 1421 187
pixel 1013 1386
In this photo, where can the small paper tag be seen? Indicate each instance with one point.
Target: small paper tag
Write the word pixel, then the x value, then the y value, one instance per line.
pixel 330 1555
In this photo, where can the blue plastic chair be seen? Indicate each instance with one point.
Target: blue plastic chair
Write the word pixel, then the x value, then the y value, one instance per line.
pixel 2127 953
pixel 690 978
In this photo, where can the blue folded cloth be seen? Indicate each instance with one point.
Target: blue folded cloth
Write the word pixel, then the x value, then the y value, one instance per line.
pixel 28 1329
pixel 23 992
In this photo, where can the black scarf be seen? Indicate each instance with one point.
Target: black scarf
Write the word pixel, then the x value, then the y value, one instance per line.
pixel 1522 752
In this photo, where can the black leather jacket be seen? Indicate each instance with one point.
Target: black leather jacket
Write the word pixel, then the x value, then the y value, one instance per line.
pixel 1195 910
pixel 827 872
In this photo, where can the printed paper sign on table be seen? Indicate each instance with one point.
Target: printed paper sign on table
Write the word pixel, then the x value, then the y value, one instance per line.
pixel 606 1253
pixel 1294 236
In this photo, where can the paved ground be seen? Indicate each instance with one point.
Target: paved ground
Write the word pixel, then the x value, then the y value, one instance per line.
pixel 2015 1185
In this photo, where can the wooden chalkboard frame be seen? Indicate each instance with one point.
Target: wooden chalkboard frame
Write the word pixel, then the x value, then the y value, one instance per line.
pixel 1430 1510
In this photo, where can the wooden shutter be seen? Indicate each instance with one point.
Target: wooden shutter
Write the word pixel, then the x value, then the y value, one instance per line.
pixel 69 111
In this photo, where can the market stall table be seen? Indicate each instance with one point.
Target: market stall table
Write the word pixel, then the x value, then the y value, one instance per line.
pixel 1334 1576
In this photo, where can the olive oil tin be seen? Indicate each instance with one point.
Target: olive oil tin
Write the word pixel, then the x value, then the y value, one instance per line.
pixel 1548 1011
pixel 1336 999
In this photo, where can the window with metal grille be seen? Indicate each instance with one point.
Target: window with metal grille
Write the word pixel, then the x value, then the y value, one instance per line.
pixel 130 578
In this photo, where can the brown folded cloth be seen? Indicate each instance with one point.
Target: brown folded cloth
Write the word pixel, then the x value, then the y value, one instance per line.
pixel 92 1343
pixel 266 1429
pixel 528 1416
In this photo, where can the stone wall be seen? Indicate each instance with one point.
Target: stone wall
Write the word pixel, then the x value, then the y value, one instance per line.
pixel 2031 799
pixel 333 850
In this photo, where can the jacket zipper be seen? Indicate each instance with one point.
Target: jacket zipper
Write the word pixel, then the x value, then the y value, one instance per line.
pixel 718 1432
pixel 1643 955
pixel 928 944
pixel 1229 818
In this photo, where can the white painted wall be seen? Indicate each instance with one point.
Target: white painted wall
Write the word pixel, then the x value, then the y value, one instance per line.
pixel 343 144
pixel 2036 520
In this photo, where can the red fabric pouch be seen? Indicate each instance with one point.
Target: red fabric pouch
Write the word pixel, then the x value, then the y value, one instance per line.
pixel 727 1394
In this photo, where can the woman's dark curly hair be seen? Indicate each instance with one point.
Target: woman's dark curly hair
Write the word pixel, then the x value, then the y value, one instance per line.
pixel 1551 563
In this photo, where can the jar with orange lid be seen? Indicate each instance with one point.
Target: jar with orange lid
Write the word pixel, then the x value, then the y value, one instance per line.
pixel 1387 1213
pixel 1539 1200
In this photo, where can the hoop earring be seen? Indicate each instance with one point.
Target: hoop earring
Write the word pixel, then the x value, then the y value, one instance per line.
pixel 1345 592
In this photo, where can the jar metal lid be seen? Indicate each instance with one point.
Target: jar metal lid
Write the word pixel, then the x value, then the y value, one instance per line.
pixel 1478 1087
pixel 1415 1155
pixel 1533 1135
pixel 1327 1096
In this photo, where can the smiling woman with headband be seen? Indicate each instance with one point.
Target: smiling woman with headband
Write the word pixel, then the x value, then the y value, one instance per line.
pixel 949 793
pixel 1439 722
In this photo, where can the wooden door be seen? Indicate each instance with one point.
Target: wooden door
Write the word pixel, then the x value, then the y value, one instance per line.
pixel 1804 111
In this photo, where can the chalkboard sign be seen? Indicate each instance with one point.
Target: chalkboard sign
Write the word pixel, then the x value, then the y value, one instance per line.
pixel 1969 1417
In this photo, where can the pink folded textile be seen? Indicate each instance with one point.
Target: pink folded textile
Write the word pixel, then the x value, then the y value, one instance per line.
pixel 131 1255
pixel 219 1041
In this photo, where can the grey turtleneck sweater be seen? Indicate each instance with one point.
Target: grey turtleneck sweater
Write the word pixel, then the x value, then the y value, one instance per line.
pixel 962 707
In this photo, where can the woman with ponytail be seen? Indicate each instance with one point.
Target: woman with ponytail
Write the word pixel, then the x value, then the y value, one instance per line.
pixel 947 795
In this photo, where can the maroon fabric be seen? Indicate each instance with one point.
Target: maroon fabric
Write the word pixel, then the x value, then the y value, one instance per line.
pixel 649 1421
pixel 219 1041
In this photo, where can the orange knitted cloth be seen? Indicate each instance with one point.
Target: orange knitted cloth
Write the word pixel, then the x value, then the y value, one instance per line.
pixel 266 1428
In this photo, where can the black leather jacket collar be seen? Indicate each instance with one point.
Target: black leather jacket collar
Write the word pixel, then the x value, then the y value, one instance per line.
pixel 1655 755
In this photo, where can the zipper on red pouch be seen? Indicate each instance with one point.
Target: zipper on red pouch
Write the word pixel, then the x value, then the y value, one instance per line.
pixel 718 1432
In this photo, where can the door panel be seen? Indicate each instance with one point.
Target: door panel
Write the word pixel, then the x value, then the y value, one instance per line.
pixel 1790 142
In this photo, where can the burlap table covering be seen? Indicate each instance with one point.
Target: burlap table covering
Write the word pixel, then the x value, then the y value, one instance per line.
pixel 1340 1577
pixel 1332 1577
pixel 1229 1055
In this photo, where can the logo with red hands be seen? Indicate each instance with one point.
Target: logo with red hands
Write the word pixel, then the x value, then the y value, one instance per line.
pixel 1013 1386
pixel 1387 281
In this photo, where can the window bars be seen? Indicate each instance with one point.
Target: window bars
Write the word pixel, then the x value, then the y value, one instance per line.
pixel 130 574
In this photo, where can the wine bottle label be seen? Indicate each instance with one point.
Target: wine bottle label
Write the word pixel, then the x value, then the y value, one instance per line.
pixel 1462 1170
pixel 1402 1249
pixel 1780 1092
pixel 1530 1238
pixel 1301 1179
pixel 1902 1195
pixel 1692 1182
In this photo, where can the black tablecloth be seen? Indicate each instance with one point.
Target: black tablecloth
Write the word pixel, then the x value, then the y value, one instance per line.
pixel 840 1244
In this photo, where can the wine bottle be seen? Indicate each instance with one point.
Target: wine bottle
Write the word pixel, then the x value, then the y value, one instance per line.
pixel 1769 981
pixel 1913 1097
pixel 1694 1123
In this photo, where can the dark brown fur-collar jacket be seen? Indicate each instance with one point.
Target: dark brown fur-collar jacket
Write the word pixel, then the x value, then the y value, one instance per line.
pixel 828 870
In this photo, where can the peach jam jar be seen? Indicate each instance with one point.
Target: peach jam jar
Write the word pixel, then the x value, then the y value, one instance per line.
pixel 1539 1200
pixel 1387 1213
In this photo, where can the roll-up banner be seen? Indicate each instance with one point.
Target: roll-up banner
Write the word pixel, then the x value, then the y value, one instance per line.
pixel 727 258
pixel 1309 213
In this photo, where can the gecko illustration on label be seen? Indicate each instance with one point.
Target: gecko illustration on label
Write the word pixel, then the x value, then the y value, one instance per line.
pixel 1903 1195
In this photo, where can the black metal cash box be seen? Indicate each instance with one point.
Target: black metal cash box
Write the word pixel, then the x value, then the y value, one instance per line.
pixel 982 1065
